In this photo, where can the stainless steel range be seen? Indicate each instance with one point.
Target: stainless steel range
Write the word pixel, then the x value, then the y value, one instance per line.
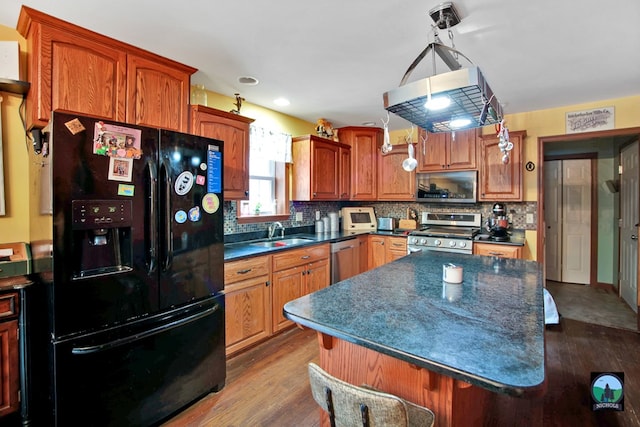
pixel 445 232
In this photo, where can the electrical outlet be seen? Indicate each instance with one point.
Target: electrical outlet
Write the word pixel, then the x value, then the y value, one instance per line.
pixel 299 216
pixel 529 218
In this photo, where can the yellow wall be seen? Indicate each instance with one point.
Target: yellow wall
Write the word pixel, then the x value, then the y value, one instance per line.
pixel 21 198
pixel 14 226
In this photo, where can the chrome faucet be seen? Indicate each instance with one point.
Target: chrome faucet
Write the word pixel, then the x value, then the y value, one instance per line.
pixel 273 227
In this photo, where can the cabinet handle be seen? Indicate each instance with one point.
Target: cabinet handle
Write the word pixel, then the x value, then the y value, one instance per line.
pixel 245 271
pixel 496 253
pixel 267 283
pixel 304 272
pixel 305 257
pixel 246 193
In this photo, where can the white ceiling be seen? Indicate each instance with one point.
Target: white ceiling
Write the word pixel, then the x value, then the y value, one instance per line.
pixel 336 58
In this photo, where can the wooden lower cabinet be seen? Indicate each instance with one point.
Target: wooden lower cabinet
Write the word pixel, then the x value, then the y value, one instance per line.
pixel 296 273
pixel 501 251
pixel 247 302
pixel 384 249
pixel 376 251
pixel 395 248
pixel 9 368
pixel 363 253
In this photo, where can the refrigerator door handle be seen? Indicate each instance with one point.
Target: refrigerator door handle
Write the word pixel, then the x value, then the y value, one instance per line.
pixel 168 233
pixel 153 214
pixel 146 334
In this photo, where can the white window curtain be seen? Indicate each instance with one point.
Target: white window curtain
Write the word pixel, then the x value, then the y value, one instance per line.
pixel 270 145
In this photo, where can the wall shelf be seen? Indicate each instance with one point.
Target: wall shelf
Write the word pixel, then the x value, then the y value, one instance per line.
pixel 14 86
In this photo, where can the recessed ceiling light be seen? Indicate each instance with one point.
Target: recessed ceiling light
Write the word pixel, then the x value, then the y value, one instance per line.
pixel 369 124
pixel 248 80
pixel 281 102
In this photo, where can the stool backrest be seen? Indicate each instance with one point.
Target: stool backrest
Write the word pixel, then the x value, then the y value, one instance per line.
pixel 349 405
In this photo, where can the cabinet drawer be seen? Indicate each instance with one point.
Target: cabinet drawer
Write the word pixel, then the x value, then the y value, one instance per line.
pixel 244 269
pixel 300 256
pixel 501 251
pixel 8 305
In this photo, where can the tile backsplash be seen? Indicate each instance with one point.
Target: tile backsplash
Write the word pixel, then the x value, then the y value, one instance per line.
pixel 519 211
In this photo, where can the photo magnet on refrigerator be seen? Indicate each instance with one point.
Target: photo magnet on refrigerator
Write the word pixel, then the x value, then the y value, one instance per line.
pixel 180 216
pixel 210 203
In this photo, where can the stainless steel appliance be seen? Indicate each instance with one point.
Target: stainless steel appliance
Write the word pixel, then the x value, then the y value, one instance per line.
pixel 134 302
pixel 447 187
pixel 386 224
pixel 498 224
pixel 345 259
pixel 445 232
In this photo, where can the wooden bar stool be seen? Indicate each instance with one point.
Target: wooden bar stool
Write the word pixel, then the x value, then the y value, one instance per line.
pixel 350 406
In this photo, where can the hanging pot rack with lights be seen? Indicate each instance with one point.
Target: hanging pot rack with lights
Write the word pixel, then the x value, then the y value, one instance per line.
pixel 455 100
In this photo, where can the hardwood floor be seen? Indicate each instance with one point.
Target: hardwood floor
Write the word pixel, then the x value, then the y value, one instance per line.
pixel 268 385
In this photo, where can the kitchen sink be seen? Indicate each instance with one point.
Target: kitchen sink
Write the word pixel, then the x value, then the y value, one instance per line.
pixel 282 242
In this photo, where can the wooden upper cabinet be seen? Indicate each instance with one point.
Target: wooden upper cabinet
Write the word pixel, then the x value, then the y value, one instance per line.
pixel 74 69
pixel 365 145
pixel 345 173
pixel 157 94
pixel 446 151
pixel 394 183
pixel 316 171
pixel 499 181
pixel 233 130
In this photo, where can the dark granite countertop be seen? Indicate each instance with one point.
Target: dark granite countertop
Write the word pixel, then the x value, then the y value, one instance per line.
pixel 487 331
pixel 516 238
pixel 233 251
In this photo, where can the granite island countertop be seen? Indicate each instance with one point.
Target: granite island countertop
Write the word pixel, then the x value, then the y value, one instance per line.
pixel 487 331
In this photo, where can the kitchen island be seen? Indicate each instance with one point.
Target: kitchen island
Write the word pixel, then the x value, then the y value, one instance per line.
pixel 449 347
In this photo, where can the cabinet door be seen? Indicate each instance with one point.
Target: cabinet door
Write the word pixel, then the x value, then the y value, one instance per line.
pixel 345 173
pixel 501 251
pixel 325 165
pixel 376 251
pixel 395 248
pixel 363 253
pixel 247 313
pixel 287 286
pixel 431 151
pixel 499 181
pixel 365 144
pixel 157 95
pixel 462 150
pixel 394 183
pixel 9 368
pixel 444 151
pixel 233 130
pixel 317 276
pixel 77 75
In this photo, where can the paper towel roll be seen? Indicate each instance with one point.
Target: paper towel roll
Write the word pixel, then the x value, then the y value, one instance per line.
pixel 327 224
pixel 335 225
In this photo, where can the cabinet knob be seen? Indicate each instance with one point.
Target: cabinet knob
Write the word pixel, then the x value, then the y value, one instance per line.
pixel 267 283
pixel 246 193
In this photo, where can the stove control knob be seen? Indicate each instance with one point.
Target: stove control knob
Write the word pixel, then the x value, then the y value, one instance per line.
pixel 413 240
pixel 452 244
pixel 437 242
pixel 462 244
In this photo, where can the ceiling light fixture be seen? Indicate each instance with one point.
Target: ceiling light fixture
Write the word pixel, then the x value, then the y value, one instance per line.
pixel 247 80
pixel 466 88
pixel 281 102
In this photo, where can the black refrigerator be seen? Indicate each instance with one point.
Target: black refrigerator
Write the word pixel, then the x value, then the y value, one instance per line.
pixel 135 299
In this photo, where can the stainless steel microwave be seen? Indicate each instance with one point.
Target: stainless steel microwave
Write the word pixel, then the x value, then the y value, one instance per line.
pixel 447 187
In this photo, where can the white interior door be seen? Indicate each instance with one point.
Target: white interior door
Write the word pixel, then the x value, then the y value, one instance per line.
pixel 576 221
pixel 629 220
pixel 553 223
